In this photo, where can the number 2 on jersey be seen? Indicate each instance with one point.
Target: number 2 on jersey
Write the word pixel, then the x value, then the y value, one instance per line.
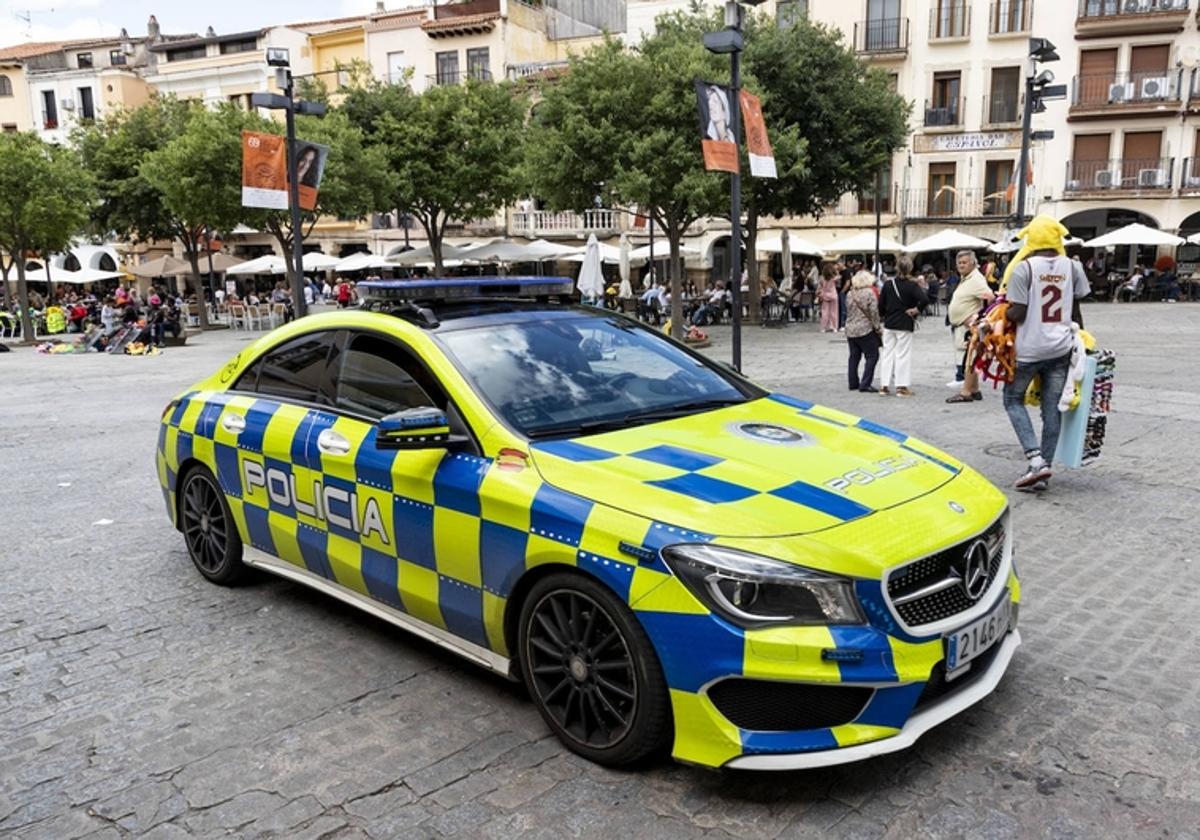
pixel 1052 309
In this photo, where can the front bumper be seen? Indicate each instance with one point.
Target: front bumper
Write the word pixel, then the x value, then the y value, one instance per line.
pixel 916 726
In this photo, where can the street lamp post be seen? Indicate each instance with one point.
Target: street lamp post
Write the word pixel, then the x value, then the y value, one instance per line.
pixel 1037 91
pixel 730 40
pixel 277 57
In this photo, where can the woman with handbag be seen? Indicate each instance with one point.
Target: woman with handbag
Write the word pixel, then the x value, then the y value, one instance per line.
pixel 901 302
pixel 862 330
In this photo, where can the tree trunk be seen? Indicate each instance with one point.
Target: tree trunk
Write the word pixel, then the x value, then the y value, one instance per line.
pixel 201 304
pixel 27 334
pixel 751 261
pixel 674 236
pixel 434 231
pixel 4 270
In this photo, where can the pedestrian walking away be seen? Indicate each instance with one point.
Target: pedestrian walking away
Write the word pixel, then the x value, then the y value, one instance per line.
pixel 862 330
pixel 1043 292
pixel 971 297
pixel 900 301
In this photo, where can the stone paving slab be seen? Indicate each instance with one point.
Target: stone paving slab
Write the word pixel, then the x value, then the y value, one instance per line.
pixel 137 700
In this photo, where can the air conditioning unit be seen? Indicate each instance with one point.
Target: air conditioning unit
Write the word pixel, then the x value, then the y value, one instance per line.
pixel 1152 178
pixel 1120 92
pixel 1191 182
pixel 1155 87
pixel 1106 179
pixel 67 104
pixel 1134 6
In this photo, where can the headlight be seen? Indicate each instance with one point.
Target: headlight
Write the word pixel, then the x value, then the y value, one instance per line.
pixel 753 591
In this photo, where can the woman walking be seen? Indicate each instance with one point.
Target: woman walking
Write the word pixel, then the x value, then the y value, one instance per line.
pixel 827 294
pixel 901 302
pixel 862 330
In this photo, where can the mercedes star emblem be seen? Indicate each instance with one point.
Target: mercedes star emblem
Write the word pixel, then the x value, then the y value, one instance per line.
pixel 975 570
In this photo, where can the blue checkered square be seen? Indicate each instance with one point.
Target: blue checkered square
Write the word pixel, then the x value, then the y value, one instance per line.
pixel 705 488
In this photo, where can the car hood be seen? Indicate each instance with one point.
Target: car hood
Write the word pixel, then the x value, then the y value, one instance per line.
pixel 775 466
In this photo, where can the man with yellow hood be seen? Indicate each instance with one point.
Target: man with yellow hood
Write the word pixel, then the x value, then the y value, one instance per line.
pixel 1043 288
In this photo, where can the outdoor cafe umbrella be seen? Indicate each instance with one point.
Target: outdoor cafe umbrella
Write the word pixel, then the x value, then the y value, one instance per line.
pixel 268 264
pixel 591 278
pixel 165 266
pixel 864 243
pixel 948 240
pixel 1135 234
pixel 640 255
pixel 609 254
pixel 1194 239
pixel 424 254
pixel 623 264
pixel 362 262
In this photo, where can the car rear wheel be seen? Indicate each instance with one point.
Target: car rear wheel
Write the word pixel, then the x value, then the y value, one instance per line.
pixel 592 671
pixel 208 529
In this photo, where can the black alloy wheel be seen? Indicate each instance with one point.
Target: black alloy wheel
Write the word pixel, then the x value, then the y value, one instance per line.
pixel 592 671
pixel 208 528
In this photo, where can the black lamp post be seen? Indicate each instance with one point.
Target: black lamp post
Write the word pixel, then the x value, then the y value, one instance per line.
pixel 730 41
pixel 1037 91
pixel 277 57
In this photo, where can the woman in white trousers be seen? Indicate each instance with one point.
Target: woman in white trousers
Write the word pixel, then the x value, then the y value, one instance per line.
pixel 900 300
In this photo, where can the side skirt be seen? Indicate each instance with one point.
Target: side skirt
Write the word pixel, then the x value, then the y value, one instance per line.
pixel 479 655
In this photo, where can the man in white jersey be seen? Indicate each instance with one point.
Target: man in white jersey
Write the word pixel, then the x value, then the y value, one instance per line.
pixel 1044 291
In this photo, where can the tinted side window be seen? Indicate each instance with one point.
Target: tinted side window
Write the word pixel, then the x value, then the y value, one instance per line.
pixel 294 370
pixel 375 379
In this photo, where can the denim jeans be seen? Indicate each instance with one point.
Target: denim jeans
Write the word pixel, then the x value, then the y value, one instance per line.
pixel 1054 377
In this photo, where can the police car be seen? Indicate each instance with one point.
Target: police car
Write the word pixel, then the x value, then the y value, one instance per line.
pixel 668 556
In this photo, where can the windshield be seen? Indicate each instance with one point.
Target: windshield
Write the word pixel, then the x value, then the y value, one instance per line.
pixel 566 376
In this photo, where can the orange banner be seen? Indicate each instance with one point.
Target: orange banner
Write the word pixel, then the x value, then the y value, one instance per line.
pixel 264 171
pixel 758 145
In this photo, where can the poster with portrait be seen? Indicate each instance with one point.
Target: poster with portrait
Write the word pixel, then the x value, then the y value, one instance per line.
pixel 758 145
pixel 716 128
pixel 264 171
pixel 310 168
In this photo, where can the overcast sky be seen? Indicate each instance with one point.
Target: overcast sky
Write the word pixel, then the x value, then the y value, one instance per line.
pixel 53 20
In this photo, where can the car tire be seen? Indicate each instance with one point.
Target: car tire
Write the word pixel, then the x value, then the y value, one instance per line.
pixel 208 529
pixel 592 672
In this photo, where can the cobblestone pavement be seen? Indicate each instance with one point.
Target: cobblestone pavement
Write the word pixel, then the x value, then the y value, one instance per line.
pixel 135 699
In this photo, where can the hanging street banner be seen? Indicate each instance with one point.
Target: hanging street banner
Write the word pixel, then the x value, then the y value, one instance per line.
pixel 716 132
pixel 758 145
pixel 264 171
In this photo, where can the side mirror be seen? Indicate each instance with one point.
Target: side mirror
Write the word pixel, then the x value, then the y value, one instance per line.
pixel 425 427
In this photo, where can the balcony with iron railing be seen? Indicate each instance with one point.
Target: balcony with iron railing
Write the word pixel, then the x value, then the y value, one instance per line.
pixel 534 69
pixel 1128 175
pixel 863 204
pixel 1129 17
pixel 445 11
pixel 1002 111
pixel 965 203
pixel 1123 93
pixel 545 223
pixel 479 74
pixel 947 114
pixel 1010 17
pixel 882 38
pixel 950 21
pixel 1189 176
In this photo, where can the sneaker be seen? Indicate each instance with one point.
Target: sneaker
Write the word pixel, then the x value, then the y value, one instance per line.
pixel 1036 487
pixel 884 392
pixel 954 383
pixel 904 392
pixel 1036 474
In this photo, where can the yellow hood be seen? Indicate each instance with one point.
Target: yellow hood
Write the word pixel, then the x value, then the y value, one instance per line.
pixel 770 467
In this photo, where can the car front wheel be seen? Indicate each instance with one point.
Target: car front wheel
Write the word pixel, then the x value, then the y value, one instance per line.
pixel 592 671
pixel 208 529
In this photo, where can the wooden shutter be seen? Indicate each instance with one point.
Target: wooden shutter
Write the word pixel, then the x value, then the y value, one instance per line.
pixel 1153 60
pixel 1097 72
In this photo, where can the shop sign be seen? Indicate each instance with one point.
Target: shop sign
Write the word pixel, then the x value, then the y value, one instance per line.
pixel 970 141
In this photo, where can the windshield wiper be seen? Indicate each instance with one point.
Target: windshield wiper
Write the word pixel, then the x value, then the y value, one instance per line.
pixel 579 428
pixel 683 409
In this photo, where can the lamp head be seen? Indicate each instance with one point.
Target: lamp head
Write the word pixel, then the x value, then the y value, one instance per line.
pixel 278 57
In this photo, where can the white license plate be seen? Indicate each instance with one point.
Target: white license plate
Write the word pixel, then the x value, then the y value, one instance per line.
pixel 973 640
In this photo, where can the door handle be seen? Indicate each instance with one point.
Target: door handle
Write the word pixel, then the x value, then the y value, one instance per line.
pixel 331 443
pixel 233 423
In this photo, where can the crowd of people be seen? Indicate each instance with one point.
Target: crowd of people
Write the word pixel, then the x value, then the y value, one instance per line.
pixel 96 321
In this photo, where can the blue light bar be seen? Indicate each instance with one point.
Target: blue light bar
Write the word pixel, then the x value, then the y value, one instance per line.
pixel 458 288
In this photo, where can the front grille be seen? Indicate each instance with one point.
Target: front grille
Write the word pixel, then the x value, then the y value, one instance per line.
pixel 937 687
pixel 929 571
pixel 769 706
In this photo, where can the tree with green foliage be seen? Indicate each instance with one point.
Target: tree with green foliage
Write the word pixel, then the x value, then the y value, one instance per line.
pixel 455 150
pixel 622 125
pixel 198 175
pixel 45 195
pixel 356 181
